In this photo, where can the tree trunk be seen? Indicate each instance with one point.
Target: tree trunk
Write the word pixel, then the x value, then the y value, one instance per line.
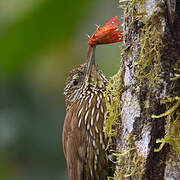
pixel 143 97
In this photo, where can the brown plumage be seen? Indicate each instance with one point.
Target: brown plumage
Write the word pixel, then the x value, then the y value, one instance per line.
pixel 84 142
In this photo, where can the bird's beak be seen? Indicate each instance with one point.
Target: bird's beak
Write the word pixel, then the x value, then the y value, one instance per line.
pixel 90 60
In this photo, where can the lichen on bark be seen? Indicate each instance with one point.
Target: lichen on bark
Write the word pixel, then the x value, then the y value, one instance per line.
pixel 142 100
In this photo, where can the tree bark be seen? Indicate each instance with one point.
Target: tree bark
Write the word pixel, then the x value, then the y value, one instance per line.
pixel 148 96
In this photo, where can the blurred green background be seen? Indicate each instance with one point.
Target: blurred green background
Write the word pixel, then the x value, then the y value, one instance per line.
pixel 40 42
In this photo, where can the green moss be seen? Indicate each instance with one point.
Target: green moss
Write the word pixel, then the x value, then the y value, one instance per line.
pixel 172 115
pixel 147 69
pixel 113 97
pixel 149 63
pixel 171 110
pixel 130 165
pixel 172 136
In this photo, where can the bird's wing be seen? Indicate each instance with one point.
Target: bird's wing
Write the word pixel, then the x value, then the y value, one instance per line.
pixel 74 145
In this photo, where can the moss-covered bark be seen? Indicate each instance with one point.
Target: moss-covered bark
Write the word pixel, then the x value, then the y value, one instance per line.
pixel 143 99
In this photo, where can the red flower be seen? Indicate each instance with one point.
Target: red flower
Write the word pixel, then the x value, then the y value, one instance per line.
pixel 108 34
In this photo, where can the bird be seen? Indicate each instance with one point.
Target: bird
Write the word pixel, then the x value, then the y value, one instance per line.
pixel 84 142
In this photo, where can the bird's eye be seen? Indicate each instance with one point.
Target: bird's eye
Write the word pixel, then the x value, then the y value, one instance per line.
pixel 75 82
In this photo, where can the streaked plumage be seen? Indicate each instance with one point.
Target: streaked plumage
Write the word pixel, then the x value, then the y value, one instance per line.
pixel 83 139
